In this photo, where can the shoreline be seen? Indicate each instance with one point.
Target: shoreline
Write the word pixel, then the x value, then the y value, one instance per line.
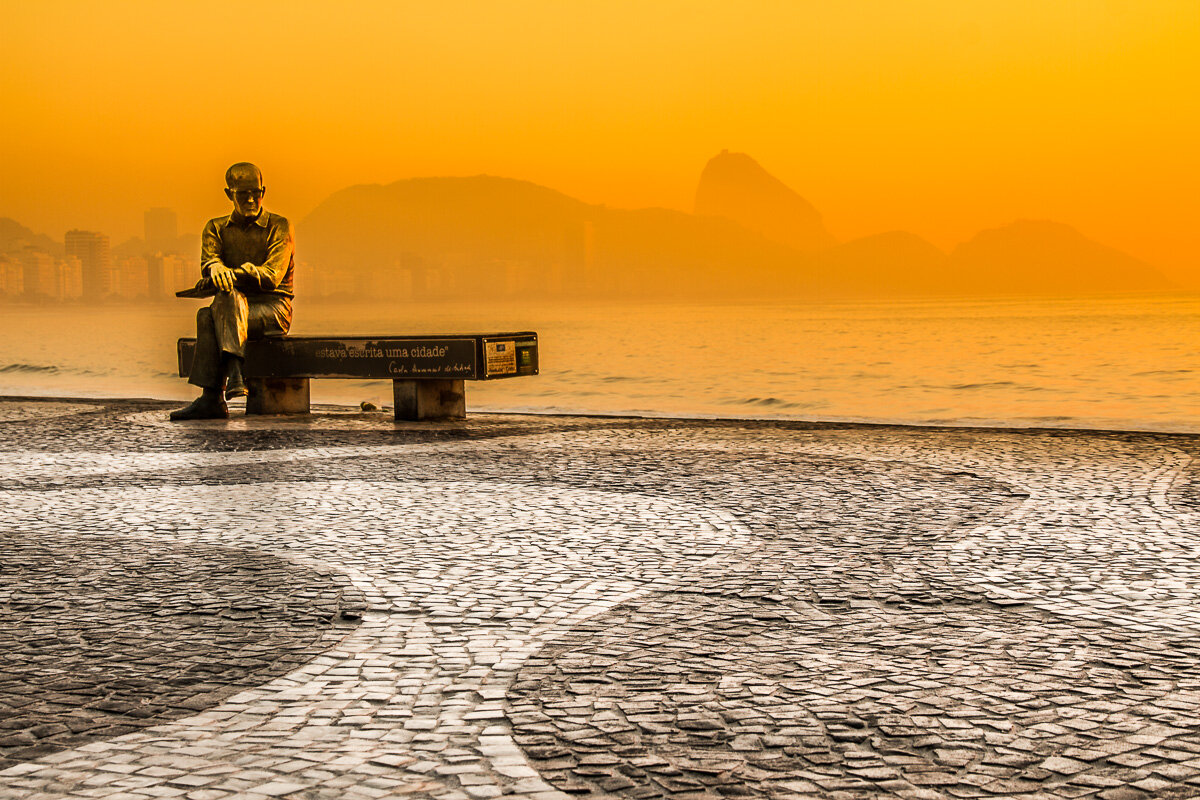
pixel 843 423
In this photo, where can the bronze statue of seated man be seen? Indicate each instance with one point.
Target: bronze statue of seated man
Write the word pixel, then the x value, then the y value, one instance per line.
pixel 246 262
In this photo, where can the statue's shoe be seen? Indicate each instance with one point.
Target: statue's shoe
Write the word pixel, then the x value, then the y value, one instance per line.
pixel 235 386
pixel 235 389
pixel 203 407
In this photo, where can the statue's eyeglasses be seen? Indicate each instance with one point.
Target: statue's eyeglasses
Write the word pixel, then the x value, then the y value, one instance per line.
pixel 246 194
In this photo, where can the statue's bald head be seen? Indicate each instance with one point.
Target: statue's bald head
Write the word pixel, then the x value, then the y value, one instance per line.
pixel 244 186
pixel 243 175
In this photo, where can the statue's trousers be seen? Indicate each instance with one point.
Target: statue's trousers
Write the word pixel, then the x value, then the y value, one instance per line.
pixel 224 327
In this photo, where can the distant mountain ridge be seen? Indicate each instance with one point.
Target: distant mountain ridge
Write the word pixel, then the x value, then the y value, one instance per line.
pixel 15 237
pixel 1035 252
pixel 1022 258
pixel 735 186
pixel 506 237
pixel 499 236
pixel 490 237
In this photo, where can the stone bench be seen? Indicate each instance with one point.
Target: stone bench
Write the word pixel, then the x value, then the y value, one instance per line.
pixel 427 372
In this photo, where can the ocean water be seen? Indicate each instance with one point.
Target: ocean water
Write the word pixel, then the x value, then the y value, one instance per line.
pixel 1114 363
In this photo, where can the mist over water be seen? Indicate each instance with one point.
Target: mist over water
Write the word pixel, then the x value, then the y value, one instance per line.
pixel 1130 363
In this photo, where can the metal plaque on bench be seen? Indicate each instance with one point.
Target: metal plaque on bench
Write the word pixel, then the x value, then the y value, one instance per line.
pixel 509 355
pixel 310 357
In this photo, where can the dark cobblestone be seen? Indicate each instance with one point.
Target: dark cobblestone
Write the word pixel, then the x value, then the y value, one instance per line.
pixel 790 698
pixel 104 635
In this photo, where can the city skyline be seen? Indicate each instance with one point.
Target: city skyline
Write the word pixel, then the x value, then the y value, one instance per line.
pixel 85 268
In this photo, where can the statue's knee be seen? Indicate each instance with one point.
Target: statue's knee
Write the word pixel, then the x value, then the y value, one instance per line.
pixel 227 298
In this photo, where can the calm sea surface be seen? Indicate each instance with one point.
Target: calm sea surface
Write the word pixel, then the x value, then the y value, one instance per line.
pixel 1100 363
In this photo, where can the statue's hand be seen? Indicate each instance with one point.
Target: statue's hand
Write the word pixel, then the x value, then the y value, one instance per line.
pixel 222 277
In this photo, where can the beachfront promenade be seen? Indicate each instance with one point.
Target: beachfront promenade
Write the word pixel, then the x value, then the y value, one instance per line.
pixel 550 607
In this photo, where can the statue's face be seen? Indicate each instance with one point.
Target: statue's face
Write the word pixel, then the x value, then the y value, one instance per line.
pixel 246 192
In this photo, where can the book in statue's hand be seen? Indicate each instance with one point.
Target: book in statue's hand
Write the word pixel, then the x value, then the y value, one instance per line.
pixel 203 288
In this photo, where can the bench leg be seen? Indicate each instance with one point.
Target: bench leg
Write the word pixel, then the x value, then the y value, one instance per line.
pixel 429 399
pixel 277 396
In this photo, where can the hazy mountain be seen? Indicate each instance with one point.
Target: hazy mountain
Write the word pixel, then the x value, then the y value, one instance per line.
pixel 373 225
pixel 1043 257
pixel 896 262
pixel 734 185
pixel 15 237
pixel 496 237
pixel 485 236
pixel 1023 258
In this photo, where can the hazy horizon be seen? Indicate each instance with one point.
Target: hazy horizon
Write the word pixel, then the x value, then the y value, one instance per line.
pixel 1186 276
pixel 750 235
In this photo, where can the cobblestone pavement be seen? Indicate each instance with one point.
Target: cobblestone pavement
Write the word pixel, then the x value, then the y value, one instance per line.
pixel 538 607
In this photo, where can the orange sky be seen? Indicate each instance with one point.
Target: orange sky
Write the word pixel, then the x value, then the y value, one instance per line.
pixel 936 116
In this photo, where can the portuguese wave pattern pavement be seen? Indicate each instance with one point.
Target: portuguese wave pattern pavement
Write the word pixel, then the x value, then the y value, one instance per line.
pixel 537 607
